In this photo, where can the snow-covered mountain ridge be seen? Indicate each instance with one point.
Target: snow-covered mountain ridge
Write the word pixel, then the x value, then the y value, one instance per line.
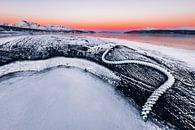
pixel 32 25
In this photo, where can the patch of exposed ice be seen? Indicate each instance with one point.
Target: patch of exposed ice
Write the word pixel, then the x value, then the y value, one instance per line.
pixel 65 99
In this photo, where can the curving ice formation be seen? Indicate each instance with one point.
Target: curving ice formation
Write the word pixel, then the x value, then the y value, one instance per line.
pixel 157 93
pixel 40 65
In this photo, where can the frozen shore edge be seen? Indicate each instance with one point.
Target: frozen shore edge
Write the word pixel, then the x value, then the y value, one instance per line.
pixel 137 82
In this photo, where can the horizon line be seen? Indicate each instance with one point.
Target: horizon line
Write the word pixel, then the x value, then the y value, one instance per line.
pixel 94 28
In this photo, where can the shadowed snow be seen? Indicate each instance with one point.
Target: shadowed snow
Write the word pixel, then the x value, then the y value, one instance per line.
pixel 65 99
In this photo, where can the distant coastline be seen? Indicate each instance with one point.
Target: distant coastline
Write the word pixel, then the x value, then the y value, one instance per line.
pixel 25 26
pixel 185 32
pixel 11 28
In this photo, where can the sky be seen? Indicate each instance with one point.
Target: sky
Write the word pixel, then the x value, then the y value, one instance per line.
pixel 101 14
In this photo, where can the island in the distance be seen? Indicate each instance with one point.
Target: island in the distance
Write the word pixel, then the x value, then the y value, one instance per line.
pixel 177 30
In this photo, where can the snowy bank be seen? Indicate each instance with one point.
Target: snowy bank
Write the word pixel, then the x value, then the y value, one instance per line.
pixel 138 82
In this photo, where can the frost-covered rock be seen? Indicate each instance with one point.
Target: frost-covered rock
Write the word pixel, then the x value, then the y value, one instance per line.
pixel 138 82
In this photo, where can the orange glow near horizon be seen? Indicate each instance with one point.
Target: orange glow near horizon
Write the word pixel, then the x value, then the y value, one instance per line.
pixel 108 25
pixel 101 14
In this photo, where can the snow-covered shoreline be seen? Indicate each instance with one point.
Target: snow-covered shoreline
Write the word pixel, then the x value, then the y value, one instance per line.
pixel 137 81
pixel 185 55
pixel 40 65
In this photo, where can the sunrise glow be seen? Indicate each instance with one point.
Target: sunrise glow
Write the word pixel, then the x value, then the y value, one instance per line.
pixel 101 14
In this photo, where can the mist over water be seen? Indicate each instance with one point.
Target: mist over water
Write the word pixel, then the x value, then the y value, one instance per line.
pixel 65 98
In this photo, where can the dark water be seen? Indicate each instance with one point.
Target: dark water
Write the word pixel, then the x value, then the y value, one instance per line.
pixel 179 41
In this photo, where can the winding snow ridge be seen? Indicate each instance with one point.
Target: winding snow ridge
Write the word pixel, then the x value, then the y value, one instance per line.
pixel 157 93
pixel 185 55
pixel 59 61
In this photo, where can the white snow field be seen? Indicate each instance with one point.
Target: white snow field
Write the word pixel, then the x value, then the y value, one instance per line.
pixel 65 99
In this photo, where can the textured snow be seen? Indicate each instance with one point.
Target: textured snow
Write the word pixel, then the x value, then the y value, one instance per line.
pixel 7 39
pixel 40 65
pixel 185 55
pixel 7 88
pixel 153 98
pixel 50 40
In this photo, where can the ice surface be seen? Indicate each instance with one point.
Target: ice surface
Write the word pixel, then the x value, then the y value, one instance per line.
pixel 65 99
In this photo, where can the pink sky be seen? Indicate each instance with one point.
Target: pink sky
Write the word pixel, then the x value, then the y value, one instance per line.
pixel 101 14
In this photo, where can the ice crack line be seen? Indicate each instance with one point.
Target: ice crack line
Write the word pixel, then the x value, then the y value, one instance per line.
pixel 147 107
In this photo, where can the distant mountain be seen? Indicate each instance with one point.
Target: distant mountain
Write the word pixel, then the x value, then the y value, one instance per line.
pixel 177 30
pixel 32 25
